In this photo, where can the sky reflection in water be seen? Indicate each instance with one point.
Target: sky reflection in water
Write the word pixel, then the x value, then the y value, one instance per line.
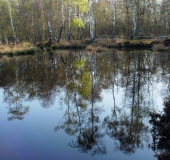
pixel 82 105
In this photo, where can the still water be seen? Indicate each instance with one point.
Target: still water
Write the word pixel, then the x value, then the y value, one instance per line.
pixel 81 105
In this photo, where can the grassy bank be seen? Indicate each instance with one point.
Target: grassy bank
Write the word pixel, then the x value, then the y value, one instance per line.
pixel 161 47
pixel 98 45
pixel 18 49
pixel 103 44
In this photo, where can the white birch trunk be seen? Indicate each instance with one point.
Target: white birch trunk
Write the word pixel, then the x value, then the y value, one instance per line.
pixel 6 39
pixel 32 24
pixel 69 18
pixel 50 33
pixel 133 20
pixel 62 12
pixel 12 24
pixel 42 14
pixel 63 21
pixel 113 6
pixel 91 20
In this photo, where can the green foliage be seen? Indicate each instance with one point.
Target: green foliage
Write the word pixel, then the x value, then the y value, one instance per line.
pixel 4 19
pixel 29 19
pixel 84 87
pixel 79 63
pixel 84 81
pixel 71 86
pixel 81 4
pixel 77 22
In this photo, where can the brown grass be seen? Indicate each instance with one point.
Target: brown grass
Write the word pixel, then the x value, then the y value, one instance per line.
pixel 63 52
pixel 159 47
pixel 90 48
pixel 68 44
pixel 63 42
pixel 19 49
pixel 120 40
pixel 106 42
pixel 101 49
pixel 14 47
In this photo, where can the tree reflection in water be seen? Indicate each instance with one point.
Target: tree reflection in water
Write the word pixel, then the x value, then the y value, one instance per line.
pixel 14 95
pixel 127 126
pixel 82 119
pixel 161 132
pixel 81 79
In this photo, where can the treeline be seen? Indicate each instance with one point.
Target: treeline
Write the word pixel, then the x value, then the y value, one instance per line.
pixel 42 20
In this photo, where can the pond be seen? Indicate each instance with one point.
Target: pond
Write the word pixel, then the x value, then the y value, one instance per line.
pixel 82 105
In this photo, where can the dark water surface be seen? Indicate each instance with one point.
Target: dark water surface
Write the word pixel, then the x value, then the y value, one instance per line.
pixel 80 105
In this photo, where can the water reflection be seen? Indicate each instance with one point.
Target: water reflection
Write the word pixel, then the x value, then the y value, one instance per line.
pixel 160 132
pixel 15 94
pixel 126 123
pixel 82 116
pixel 80 78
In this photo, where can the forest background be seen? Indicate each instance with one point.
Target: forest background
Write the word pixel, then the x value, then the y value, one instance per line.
pixel 41 20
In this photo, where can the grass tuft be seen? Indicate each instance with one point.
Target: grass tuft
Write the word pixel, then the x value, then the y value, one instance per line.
pixel 90 48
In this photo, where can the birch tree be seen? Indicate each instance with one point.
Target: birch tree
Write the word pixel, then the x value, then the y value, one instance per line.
pixel 69 19
pixel 133 20
pixel 81 9
pixel 37 20
pixel 4 24
pixel 63 21
pixel 49 23
pixel 50 33
pixel 113 6
pixel 91 19
pixel 12 24
pixel 40 4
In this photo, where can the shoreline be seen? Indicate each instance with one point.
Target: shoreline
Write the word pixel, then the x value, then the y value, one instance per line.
pixel 99 45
